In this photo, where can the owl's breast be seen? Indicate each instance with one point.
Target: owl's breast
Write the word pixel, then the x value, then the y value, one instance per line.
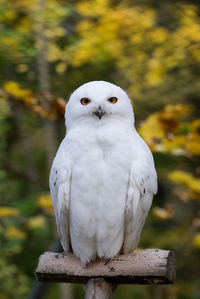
pixel 99 182
pixel 101 165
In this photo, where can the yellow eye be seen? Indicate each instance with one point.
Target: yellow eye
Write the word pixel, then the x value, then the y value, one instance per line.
pixel 85 101
pixel 113 100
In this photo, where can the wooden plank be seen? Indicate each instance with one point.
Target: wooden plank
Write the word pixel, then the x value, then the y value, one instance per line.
pixel 149 266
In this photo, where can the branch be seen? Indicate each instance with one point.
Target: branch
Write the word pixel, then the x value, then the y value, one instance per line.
pixel 150 266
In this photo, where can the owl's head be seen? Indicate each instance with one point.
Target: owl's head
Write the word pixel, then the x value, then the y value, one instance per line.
pixel 97 102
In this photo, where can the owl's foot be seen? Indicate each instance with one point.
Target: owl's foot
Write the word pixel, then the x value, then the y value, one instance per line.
pixel 62 255
pixel 84 265
pixel 107 261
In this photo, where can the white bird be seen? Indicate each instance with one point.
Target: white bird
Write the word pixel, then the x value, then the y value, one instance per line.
pixel 103 178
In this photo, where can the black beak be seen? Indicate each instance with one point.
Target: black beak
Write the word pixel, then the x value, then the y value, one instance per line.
pixel 99 112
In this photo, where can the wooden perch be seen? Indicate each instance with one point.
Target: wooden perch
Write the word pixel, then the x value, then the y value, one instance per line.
pixel 150 266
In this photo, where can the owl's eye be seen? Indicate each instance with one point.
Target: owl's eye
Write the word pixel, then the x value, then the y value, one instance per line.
pixel 85 101
pixel 113 100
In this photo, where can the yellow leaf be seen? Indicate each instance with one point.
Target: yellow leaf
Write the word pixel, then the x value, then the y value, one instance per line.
pixel 173 112
pixel 8 212
pixel 24 25
pixel 163 213
pixel 176 145
pixel 179 176
pixel 61 67
pixel 54 53
pixel 14 89
pixel 194 185
pixel 187 179
pixel 14 233
pixel 193 147
pixel 195 125
pixel 196 240
pixel 93 8
pixel 156 76
pixel 151 128
pixel 44 201
pixel 8 16
pixel 159 35
pixel 37 222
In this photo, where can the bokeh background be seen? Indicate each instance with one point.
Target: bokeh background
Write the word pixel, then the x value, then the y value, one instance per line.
pixel 47 49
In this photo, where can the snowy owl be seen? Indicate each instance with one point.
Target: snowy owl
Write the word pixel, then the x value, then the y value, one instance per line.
pixel 103 179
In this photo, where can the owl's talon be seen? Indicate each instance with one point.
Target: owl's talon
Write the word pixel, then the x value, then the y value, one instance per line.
pixel 107 261
pixel 84 265
pixel 61 254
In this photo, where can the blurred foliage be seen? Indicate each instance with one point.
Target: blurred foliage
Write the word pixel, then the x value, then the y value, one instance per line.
pixel 151 49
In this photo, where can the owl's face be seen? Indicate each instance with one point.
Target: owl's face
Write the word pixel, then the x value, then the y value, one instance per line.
pixel 96 102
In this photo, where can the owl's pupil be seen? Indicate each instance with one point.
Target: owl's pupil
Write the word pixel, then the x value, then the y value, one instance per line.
pixel 85 101
pixel 112 100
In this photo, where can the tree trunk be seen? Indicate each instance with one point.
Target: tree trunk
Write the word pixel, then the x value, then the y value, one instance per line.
pixel 44 81
pixel 50 136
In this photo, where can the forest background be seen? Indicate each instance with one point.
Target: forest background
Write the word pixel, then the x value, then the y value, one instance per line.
pixel 49 48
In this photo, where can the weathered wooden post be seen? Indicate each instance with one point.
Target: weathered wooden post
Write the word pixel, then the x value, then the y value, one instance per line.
pixel 149 266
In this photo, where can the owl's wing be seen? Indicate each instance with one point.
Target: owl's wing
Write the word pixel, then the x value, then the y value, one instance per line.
pixel 59 182
pixel 142 187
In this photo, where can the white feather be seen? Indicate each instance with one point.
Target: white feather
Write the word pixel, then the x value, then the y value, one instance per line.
pixel 60 182
pixel 105 176
pixel 142 187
